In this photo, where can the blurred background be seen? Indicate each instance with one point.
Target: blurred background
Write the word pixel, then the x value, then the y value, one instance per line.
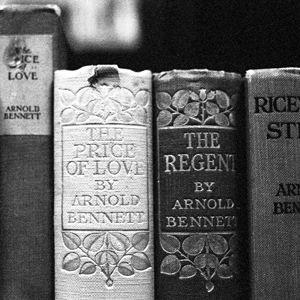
pixel 162 35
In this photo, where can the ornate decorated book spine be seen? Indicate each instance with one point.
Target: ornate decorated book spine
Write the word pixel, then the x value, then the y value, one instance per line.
pixel 197 185
pixel 274 182
pixel 103 184
pixel 31 48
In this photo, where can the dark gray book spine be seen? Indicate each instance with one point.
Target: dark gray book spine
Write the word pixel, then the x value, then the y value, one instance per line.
pixel 198 177
pixel 273 134
pixel 31 47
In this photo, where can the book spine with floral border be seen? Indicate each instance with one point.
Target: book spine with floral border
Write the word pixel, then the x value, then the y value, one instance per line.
pixel 31 48
pixel 197 195
pixel 103 184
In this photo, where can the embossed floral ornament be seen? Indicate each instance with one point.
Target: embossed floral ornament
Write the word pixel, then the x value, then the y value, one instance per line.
pixel 209 255
pixel 106 102
pixel 108 252
pixel 206 107
pixel 13 53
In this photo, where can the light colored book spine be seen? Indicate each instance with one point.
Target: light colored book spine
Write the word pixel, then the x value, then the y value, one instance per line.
pixel 274 182
pixel 103 184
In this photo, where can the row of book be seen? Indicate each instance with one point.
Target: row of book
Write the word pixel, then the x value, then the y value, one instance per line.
pixel 162 186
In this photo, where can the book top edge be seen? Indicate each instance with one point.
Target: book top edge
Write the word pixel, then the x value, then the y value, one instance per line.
pixel 29 8
pixel 273 72
pixel 194 74
pixel 101 70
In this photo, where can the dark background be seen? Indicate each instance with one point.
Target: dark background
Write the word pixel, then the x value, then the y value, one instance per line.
pixel 221 35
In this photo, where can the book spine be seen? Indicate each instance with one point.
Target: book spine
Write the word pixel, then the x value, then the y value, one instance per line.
pixel 103 184
pixel 28 60
pixel 274 182
pixel 197 185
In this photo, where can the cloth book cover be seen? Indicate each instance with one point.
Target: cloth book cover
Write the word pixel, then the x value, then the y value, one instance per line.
pixel 31 48
pixel 199 185
pixel 273 134
pixel 103 184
